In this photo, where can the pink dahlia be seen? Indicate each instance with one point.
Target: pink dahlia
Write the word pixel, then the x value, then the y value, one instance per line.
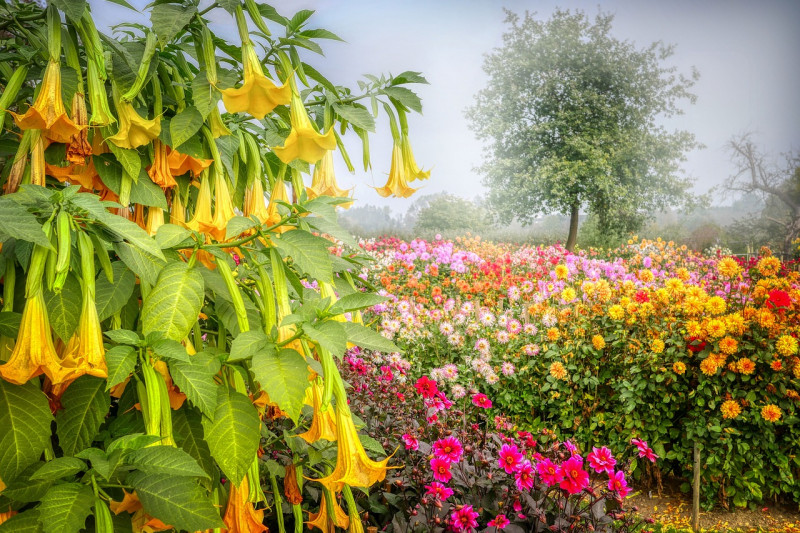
pixel 601 460
pixel 441 470
pixel 426 387
pixel 618 484
pixel 481 400
pixel 500 521
pixel 549 472
pixel 438 491
pixel 464 519
pixel 449 449
pixel 575 477
pixel 523 476
pixel 410 441
pixel 510 457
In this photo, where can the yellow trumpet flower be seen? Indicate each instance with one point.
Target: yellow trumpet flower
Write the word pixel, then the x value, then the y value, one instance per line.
pixel 202 220
pixel 84 353
pixel 304 142
pixel 273 214
pixel 397 185
pixel 322 521
pixel 78 148
pixel 324 181
pixel 240 516
pixel 134 130
pixel 160 171
pixel 323 424
pixel 353 466
pixel 254 201
pixel 180 164
pixel 223 208
pixel 155 219
pixel 413 172
pixel 177 212
pixel 258 94
pixel 34 353
pixel 47 112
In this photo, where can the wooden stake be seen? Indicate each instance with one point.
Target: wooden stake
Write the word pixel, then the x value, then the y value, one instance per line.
pixel 696 490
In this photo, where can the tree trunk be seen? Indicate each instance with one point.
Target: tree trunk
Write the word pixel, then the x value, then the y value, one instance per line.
pixel 573 227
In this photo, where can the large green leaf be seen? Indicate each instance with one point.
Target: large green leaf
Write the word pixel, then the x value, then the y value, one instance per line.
pixel 25 421
pixel 65 507
pixel 309 253
pixel 25 490
pixel 284 375
pixel 86 404
pixel 169 19
pixel 145 265
pixel 233 434
pixel 16 222
pixel 25 522
pixel 9 323
pixel 195 378
pixel 355 301
pixel 170 235
pixel 173 305
pixel 204 95
pixel 166 460
pixel 178 501
pixel 121 361
pixel 358 116
pixel 110 297
pixel 247 344
pixel 407 97
pixel 143 190
pixel 188 429
pixel 58 468
pixel 369 338
pixel 330 334
pixel 184 125
pixel 64 308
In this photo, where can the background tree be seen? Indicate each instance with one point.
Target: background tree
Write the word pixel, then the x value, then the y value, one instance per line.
pixel 571 117
pixel 450 215
pixel 778 183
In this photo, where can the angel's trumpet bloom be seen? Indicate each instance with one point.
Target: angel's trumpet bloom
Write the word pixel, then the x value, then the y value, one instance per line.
pixel 258 95
pixel 353 466
pixel 223 208
pixel 180 164
pixel 323 424
pixel 398 181
pixel 83 174
pixel 155 219
pixel 304 142
pixel 324 181
pixel 240 516
pixel 177 213
pixel 84 353
pixel 413 172
pixel 160 171
pixel 322 521
pixel 203 220
pixel 134 130
pixel 254 201
pixel 34 353
pixel 273 214
pixel 78 148
pixel 47 112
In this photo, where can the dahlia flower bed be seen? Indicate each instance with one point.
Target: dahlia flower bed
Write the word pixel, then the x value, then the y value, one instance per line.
pixel 649 341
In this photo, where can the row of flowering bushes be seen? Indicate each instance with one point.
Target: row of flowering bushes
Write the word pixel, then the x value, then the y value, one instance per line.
pixel 457 468
pixel 648 341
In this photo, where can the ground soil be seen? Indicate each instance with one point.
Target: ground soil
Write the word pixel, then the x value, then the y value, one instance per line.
pixel 673 508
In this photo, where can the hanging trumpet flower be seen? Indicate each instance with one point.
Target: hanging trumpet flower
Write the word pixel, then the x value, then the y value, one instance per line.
pixel 397 185
pixel 258 94
pixel 48 112
pixel 324 182
pixel 304 141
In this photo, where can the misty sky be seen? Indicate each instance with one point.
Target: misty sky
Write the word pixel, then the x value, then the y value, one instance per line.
pixel 747 53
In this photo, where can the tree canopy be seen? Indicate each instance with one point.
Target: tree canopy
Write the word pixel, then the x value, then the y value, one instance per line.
pixel 572 117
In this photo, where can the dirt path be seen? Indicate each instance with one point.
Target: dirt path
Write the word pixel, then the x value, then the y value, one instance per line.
pixel 676 510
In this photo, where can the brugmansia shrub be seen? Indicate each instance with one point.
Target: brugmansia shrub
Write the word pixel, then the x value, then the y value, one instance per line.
pixel 648 341
pixel 163 326
pixel 461 470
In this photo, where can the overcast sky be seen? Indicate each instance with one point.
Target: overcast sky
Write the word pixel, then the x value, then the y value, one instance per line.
pixel 747 53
